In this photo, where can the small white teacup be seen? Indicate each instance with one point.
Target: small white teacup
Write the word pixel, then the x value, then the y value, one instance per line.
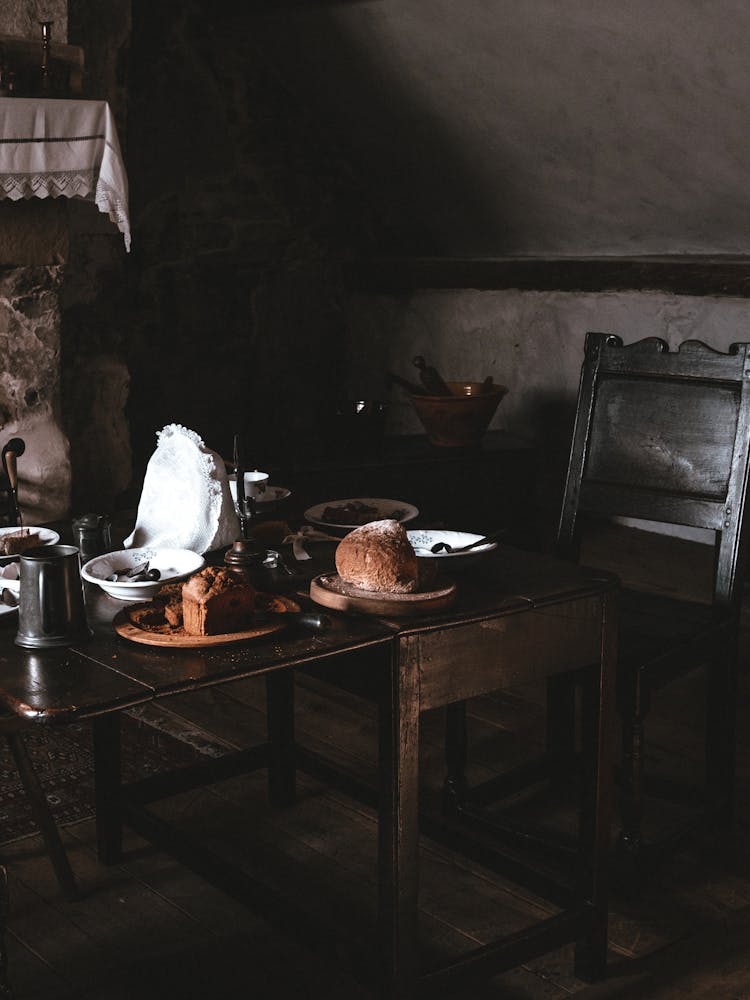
pixel 256 484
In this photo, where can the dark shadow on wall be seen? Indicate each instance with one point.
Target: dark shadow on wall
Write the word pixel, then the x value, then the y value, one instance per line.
pixel 410 163
pixel 248 192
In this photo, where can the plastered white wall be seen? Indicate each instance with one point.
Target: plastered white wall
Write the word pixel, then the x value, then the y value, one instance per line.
pixel 532 342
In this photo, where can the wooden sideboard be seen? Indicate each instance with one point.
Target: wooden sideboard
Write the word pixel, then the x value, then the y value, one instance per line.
pixel 478 489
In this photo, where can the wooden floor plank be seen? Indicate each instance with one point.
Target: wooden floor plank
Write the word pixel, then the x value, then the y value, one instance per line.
pixel 149 927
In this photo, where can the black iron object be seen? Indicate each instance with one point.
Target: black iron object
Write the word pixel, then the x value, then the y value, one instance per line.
pixel 11 452
pixel 245 558
pixel 312 621
pixel 246 507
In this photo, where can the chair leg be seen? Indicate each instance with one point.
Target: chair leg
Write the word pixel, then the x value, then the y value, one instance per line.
pixel 631 791
pixel 561 717
pixel 105 730
pixel 595 820
pixel 282 758
pixel 721 722
pixel 5 991
pixel 455 787
pixel 42 816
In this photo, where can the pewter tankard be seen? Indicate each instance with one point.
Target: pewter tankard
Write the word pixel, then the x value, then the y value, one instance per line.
pixel 50 609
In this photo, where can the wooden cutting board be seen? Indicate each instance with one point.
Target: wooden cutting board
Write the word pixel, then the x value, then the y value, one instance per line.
pixel 332 592
pixel 178 639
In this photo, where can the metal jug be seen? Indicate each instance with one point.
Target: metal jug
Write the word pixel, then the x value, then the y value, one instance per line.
pixel 50 610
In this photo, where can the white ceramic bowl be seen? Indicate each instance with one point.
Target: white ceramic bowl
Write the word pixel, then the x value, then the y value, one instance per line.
pixel 173 564
pixel 422 541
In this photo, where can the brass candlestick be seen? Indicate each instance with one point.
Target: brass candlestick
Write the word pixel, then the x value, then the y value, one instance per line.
pixel 46 42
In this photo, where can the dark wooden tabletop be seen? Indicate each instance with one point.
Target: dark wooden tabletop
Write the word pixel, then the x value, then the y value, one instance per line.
pixel 108 673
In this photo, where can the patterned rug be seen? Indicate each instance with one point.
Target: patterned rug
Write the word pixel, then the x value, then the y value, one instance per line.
pixel 152 742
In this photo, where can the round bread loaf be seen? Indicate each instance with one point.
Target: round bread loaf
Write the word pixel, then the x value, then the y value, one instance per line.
pixel 378 557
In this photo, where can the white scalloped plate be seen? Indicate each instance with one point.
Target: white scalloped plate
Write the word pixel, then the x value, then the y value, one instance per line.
pixel 422 542
pixel 380 509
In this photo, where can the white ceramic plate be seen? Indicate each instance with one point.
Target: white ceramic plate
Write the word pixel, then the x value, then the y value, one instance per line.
pixel 273 494
pixel 422 542
pixel 46 537
pixel 379 510
pixel 9 577
pixel 254 487
pixel 7 609
pixel 173 564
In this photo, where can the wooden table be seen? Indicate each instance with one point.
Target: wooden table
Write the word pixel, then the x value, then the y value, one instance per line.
pixel 519 617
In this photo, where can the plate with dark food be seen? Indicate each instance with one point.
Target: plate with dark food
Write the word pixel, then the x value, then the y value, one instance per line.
pixel 340 516
pixel 14 541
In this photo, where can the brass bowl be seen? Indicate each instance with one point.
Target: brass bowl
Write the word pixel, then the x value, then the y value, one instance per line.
pixel 461 419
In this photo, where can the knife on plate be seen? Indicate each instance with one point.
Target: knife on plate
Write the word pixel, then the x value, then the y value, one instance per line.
pixel 312 621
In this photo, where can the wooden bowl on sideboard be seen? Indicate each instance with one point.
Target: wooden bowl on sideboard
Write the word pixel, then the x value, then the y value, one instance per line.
pixel 461 419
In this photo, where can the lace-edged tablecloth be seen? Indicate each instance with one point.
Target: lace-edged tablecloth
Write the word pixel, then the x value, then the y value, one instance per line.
pixel 52 148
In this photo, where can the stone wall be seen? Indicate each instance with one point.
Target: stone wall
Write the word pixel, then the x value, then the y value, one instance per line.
pixel 65 373
pixel 30 388
pixel 22 17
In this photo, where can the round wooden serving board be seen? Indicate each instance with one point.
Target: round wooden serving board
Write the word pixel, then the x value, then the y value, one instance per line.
pixel 332 592
pixel 177 638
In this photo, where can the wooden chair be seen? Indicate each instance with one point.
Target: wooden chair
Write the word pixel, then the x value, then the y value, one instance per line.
pixel 665 436
pixel 5 990
pixel 660 436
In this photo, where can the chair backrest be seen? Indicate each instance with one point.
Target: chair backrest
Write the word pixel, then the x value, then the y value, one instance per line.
pixel 663 436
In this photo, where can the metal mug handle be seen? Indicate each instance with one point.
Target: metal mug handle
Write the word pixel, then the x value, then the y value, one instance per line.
pixel 48 595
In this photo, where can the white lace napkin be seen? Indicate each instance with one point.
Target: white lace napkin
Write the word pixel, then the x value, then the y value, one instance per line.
pixel 185 502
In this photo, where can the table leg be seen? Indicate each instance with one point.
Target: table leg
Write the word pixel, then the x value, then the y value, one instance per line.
pixel 597 723
pixel 5 991
pixel 455 787
pixel 398 832
pixel 281 761
pixel 43 816
pixel 108 781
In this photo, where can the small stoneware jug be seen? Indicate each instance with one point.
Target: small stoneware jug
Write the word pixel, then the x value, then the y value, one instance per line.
pixel 50 609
